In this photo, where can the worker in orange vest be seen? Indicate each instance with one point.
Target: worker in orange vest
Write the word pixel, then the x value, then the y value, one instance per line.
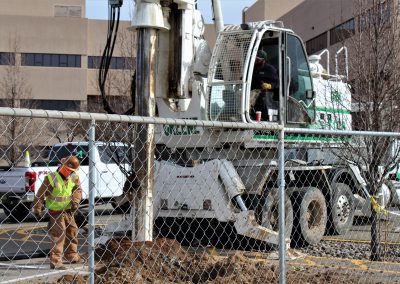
pixel 62 192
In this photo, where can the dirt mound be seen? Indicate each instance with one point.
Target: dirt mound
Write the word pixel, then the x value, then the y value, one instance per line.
pixel 69 279
pixel 165 261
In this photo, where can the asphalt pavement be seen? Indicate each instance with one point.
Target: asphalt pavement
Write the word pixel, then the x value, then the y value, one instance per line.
pixel 24 248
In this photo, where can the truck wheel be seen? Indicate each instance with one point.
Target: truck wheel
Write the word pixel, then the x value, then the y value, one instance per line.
pixel 341 210
pixel 269 215
pixel 310 217
pixel 16 211
pixel 123 208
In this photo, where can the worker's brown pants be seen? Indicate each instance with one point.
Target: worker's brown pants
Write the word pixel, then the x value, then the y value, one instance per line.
pixel 63 231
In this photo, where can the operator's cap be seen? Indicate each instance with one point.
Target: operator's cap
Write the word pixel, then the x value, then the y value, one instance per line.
pixel 71 162
pixel 262 54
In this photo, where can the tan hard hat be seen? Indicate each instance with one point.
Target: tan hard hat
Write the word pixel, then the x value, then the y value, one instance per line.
pixel 70 162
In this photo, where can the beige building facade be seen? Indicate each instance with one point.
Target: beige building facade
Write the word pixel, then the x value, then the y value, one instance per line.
pixel 320 23
pixel 57 50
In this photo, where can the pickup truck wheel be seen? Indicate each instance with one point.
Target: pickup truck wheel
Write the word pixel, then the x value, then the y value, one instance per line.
pixel 123 208
pixel 16 211
pixel 341 210
pixel 310 217
pixel 269 215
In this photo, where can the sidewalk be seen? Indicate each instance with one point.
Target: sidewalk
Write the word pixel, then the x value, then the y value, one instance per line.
pixel 36 270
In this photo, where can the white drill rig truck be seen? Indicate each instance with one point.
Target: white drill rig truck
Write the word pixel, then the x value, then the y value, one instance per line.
pixel 230 175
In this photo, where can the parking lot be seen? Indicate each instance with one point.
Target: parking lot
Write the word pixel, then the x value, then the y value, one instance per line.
pixel 25 247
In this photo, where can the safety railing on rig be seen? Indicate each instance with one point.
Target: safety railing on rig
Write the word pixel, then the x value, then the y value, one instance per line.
pixel 184 201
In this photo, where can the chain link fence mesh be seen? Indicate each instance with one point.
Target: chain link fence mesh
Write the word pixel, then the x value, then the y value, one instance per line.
pixel 213 213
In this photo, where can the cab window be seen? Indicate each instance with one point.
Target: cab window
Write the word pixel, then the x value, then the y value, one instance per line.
pixel 300 83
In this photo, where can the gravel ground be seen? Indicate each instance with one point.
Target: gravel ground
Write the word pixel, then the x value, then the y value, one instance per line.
pixel 359 251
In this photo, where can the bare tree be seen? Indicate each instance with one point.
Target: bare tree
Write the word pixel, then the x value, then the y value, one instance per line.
pixel 116 91
pixel 14 92
pixel 117 96
pixel 116 75
pixel 68 130
pixel 375 80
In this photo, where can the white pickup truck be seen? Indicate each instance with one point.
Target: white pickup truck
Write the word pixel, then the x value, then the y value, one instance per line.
pixel 18 185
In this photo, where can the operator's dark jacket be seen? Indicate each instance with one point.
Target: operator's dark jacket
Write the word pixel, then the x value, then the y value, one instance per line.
pixel 265 74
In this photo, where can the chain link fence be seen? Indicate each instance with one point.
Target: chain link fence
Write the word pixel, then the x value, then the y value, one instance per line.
pixel 184 201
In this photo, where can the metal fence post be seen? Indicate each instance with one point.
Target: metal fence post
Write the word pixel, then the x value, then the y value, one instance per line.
pixel 281 183
pixel 92 188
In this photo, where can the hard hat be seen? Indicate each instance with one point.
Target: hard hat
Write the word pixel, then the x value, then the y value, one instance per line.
pixel 262 54
pixel 70 162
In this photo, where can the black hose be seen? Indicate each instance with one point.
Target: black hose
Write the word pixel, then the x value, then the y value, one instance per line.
pixel 106 58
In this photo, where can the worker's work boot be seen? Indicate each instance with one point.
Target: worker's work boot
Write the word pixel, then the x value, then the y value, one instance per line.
pixel 57 266
pixel 77 259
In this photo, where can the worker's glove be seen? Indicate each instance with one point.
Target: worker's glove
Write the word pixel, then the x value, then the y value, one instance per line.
pixel 74 206
pixel 38 214
pixel 266 86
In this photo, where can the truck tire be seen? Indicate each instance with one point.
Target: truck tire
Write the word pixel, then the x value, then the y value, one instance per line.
pixel 341 210
pixel 310 217
pixel 16 211
pixel 269 215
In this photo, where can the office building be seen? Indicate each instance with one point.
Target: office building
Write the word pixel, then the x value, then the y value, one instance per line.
pixel 57 52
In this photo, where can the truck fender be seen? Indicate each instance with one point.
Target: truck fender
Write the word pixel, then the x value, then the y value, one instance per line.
pixel 394 187
pixel 356 173
pixel 359 187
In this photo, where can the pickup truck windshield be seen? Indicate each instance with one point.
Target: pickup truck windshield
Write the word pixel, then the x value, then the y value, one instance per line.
pixel 109 154
pixel 59 152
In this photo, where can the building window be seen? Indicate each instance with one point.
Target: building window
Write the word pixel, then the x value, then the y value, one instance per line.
pixel 51 60
pixel 94 62
pixel 94 104
pixel 62 105
pixel 67 11
pixel 317 43
pixel 5 102
pixel 7 58
pixel 122 63
pixel 342 31
pixel 118 103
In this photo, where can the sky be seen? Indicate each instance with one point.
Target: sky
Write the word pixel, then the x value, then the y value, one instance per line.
pixel 231 9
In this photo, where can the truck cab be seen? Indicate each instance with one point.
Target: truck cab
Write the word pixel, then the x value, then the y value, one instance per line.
pixel 232 94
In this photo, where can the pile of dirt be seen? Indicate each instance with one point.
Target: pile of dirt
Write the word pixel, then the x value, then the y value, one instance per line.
pixel 75 279
pixel 165 261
